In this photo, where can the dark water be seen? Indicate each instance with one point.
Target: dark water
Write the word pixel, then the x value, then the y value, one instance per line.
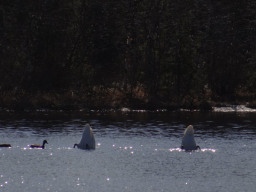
pixel 154 124
pixel 136 151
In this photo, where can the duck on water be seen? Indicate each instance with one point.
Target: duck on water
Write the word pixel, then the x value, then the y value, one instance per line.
pixel 39 146
pixel 188 140
pixel 88 140
pixel 5 145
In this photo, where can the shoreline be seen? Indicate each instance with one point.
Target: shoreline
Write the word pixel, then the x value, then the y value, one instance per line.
pixel 223 109
pixel 113 101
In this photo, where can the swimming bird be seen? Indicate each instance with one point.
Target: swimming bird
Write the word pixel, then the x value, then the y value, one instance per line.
pixel 5 145
pixel 188 141
pixel 88 140
pixel 39 146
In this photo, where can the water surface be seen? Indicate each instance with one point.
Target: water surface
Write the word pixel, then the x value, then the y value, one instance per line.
pixel 135 152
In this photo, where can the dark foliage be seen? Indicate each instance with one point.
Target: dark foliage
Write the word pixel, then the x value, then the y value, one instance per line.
pixel 158 52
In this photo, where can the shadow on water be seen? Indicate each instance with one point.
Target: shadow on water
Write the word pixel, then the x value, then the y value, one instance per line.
pixel 153 124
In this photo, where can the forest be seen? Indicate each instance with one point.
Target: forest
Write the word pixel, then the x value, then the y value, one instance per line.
pixel 72 54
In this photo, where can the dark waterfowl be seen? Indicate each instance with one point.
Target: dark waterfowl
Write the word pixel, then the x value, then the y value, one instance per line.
pixel 5 145
pixel 197 147
pixel 78 146
pixel 88 140
pixel 188 140
pixel 39 146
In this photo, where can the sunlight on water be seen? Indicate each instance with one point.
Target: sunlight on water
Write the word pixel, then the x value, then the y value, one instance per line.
pixel 175 149
pixel 130 156
pixel 201 150
pixel 211 150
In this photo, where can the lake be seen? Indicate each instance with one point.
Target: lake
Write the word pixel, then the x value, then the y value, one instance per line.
pixel 136 151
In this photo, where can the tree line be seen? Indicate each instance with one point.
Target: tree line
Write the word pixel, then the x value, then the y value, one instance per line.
pixel 157 51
